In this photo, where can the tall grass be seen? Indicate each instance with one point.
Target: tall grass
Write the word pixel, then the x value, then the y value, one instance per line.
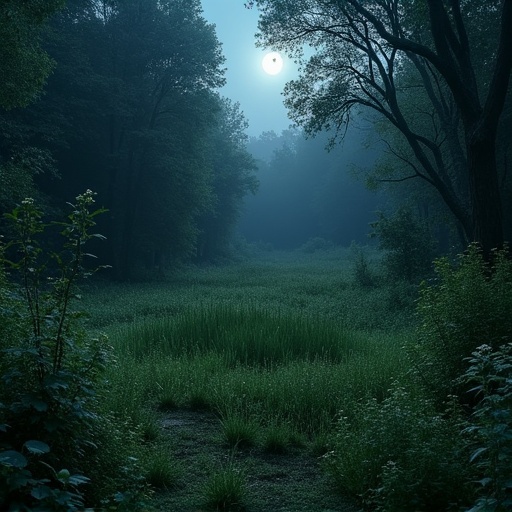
pixel 305 393
pixel 279 341
pixel 242 334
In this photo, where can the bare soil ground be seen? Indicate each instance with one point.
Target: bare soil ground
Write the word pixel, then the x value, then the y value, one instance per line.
pixel 289 482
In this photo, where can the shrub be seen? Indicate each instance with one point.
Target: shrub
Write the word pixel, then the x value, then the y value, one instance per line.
pixel 51 368
pixel 399 455
pixel 490 435
pixel 469 303
pixel 408 243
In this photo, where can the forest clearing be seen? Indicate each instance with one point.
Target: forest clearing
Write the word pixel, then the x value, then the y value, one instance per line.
pixel 255 255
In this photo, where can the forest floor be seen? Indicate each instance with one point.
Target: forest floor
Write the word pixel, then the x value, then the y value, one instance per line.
pixel 288 482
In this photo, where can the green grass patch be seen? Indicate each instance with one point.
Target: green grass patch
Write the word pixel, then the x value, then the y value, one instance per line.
pixel 226 489
pixel 244 335
pixel 307 394
pixel 275 348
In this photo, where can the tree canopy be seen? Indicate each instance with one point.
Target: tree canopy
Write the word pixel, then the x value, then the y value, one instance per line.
pixel 365 54
pixel 24 65
pixel 132 112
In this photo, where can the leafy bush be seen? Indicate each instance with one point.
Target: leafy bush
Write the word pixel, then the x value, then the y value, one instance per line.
pixel 399 455
pixel 490 434
pixel 468 304
pixel 409 245
pixel 51 368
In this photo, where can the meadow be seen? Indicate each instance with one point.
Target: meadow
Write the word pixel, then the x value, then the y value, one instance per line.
pixel 275 347
pixel 316 380
pixel 313 380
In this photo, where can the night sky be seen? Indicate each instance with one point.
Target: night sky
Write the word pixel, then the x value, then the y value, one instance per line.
pixel 259 94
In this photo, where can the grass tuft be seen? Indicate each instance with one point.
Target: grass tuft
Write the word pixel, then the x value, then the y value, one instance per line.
pixel 162 470
pixel 276 438
pixel 226 489
pixel 239 431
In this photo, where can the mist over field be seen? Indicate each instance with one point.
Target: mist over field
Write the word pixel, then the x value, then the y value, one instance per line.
pixel 255 255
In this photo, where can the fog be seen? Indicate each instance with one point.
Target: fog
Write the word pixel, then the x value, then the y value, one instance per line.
pixel 165 111
pixel 255 255
pixel 307 192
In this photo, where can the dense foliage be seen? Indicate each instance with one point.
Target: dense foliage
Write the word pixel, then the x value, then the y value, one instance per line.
pixel 24 65
pixel 466 307
pixel 408 245
pixel 427 443
pixel 131 111
pixel 428 70
pixel 53 435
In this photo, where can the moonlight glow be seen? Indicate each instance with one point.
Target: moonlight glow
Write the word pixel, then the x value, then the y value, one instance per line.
pixel 272 63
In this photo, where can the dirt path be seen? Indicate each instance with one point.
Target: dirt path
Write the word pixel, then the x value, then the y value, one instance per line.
pixel 290 482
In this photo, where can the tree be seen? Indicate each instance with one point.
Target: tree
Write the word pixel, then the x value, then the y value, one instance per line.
pixel 232 178
pixel 161 61
pixel 24 66
pixel 131 112
pixel 361 49
pixel 131 99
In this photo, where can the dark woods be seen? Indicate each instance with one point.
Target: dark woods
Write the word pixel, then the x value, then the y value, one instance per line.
pixel 130 111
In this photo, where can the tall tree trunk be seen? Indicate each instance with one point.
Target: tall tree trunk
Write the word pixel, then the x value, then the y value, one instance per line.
pixel 484 186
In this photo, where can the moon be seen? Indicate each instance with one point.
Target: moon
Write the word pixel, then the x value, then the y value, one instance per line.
pixel 272 63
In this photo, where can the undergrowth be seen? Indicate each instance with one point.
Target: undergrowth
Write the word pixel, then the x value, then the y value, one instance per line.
pixel 55 439
pixel 288 352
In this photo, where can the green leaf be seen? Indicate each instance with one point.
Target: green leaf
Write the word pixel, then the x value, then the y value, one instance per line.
pixel 55 382
pixel 38 404
pixel 78 480
pixel 13 459
pixel 21 479
pixel 477 453
pixel 63 475
pixel 485 481
pixel 36 447
pixel 41 493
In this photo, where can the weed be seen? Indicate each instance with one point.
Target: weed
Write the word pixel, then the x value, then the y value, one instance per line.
pixel 399 454
pixel 226 489
pixel 52 371
pixel 239 431
pixel 162 470
pixel 490 431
